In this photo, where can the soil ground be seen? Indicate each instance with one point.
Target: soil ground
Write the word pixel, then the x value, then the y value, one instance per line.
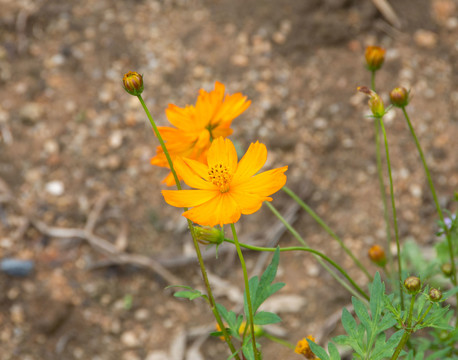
pixel 72 139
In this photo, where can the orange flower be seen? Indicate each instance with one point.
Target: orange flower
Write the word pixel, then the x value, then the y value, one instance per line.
pixel 303 348
pixel 195 127
pixel 375 56
pixel 377 255
pixel 225 188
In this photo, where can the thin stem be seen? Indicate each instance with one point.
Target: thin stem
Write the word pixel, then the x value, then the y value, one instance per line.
pixel 327 229
pixel 302 241
pixel 373 79
pixel 312 251
pixel 409 318
pixel 247 290
pixel 203 270
pixel 393 205
pixel 425 313
pixel 382 186
pixel 401 344
pixel 436 201
pixel 278 340
pixel 383 194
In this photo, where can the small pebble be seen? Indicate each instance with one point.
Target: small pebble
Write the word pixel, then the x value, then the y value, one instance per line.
pixel 55 188
pixel 426 39
pixel 16 267
pixel 130 339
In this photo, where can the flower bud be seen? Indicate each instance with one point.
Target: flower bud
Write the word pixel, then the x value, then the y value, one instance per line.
pixel 375 56
pixel 375 101
pixel 435 295
pixel 447 269
pixel 133 83
pixel 208 235
pixel 377 255
pixel 412 284
pixel 258 330
pixel 399 97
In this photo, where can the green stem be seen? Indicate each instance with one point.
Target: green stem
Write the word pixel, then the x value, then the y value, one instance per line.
pixel 278 340
pixel 373 80
pixel 312 251
pixel 393 205
pixel 327 229
pixel 383 193
pixel 401 344
pixel 302 241
pixel 436 201
pixel 424 315
pixel 412 303
pixel 247 290
pixel 203 270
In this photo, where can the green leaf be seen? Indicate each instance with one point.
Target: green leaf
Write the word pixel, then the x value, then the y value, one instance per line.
pixel 265 317
pixel 318 350
pixel 333 352
pixel 362 313
pixel 376 302
pixel 348 323
pixel 190 294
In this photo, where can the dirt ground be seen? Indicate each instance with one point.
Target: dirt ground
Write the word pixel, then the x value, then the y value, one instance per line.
pixel 75 150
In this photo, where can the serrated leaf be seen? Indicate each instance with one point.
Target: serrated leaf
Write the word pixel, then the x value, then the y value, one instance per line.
pixel 376 300
pixel 318 350
pixel 266 317
pixel 362 313
pixel 333 352
pixel 348 323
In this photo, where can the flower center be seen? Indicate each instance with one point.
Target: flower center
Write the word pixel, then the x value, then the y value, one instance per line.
pixel 220 176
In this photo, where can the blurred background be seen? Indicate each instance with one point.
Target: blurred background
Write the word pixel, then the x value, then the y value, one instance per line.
pixel 87 245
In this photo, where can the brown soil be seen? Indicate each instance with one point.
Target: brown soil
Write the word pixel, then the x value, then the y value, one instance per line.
pixel 70 136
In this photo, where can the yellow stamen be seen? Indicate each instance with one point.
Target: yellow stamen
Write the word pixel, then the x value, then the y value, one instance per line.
pixel 220 176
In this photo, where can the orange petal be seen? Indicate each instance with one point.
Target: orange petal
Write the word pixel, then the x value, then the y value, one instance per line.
pixel 251 163
pixel 220 210
pixel 248 203
pixel 188 198
pixel 182 118
pixel 190 177
pixel 222 151
pixel 199 168
pixel 263 184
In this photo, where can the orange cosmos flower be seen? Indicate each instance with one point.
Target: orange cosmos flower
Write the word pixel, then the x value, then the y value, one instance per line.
pixel 225 188
pixel 195 127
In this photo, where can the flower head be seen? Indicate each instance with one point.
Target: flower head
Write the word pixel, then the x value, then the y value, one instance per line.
pixel 435 295
pixel 375 56
pixel 399 96
pixel 303 348
pixel 377 255
pixel 412 284
pixel 375 101
pixel 133 83
pixel 196 126
pixel 225 188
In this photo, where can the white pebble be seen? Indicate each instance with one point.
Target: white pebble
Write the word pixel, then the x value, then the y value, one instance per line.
pixel 55 188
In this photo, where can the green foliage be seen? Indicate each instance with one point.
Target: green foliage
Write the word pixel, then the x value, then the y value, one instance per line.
pixel 190 294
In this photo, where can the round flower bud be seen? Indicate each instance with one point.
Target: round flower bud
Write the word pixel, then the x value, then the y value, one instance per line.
pixel 412 284
pixel 447 269
pixel 133 83
pixel 377 255
pixel 258 330
pixel 208 235
pixel 375 56
pixel 399 97
pixel 375 101
pixel 435 295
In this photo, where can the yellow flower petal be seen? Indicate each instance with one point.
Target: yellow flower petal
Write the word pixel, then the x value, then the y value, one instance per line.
pixel 263 184
pixel 180 117
pixel 248 203
pixel 198 167
pixel 190 177
pixel 223 152
pixel 188 198
pixel 220 210
pixel 253 160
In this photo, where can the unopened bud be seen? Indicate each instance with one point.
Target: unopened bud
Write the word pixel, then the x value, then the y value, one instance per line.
pixel 399 97
pixel 133 83
pixel 412 284
pixel 375 101
pixel 208 235
pixel 447 269
pixel 375 56
pixel 435 295
pixel 377 255
pixel 258 330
